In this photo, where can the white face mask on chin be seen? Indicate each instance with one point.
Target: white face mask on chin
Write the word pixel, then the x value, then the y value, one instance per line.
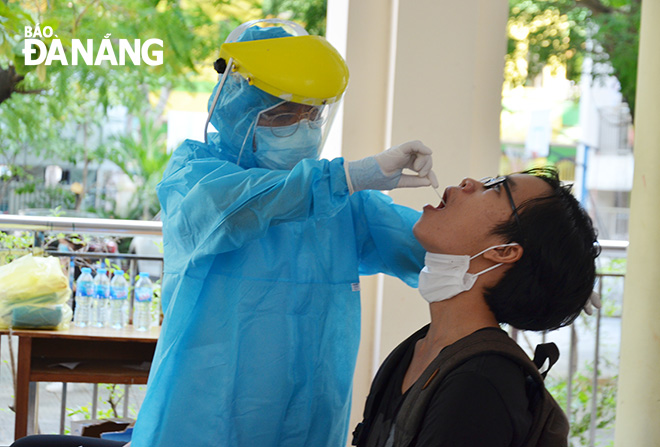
pixel 445 276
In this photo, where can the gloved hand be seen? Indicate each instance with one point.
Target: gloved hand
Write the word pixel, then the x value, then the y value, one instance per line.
pixel 385 170
pixel 593 301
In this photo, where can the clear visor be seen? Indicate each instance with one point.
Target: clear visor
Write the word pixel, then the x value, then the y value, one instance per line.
pixel 305 125
pixel 284 118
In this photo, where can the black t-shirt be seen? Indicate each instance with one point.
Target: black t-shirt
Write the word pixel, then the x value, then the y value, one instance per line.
pixel 480 403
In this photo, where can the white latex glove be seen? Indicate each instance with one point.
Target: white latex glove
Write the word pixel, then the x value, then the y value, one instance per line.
pixel 411 155
pixel 385 170
pixel 593 301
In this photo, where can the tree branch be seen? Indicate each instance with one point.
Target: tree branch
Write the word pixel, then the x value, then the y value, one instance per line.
pixel 595 6
pixel 8 80
pixel 30 92
pixel 80 16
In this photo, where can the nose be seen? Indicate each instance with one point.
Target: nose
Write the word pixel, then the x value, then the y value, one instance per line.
pixel 468 184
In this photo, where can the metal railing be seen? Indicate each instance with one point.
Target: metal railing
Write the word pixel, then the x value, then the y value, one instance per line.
pixel 84 226
pixel 19 196
pixel 610 249
pixel 80 225
pixel 596 360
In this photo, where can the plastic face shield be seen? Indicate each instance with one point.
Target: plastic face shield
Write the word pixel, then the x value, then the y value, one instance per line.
pixel 300 69
pixel 286 118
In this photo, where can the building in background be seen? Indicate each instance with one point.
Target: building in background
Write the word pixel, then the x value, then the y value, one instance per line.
pixel 585 130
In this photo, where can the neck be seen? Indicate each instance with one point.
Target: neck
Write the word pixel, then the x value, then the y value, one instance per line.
pixel 456 318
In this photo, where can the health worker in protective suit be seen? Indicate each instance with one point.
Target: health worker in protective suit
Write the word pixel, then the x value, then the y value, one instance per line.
pixel 263 245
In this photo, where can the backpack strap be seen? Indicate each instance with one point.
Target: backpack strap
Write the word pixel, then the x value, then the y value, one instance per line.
pixel 482 342
pixel 543 352
pixel 378 387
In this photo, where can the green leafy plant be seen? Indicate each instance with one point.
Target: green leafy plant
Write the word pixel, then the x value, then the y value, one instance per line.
pixel 53 198
pixel 167 20
pixel 115 395
pixel 143 157
pixel 310 13
pixel 15 245
pixel 565 32
pixel 611 273
pixel 580 411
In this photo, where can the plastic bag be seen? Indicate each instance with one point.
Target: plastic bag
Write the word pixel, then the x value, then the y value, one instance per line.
pixel 33 294
pixel 57 316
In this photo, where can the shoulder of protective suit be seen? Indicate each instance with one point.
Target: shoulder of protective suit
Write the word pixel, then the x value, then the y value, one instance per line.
pixel 193 149
pixel 190 150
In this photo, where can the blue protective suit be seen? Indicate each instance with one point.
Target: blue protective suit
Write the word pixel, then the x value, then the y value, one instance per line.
pixel 261 292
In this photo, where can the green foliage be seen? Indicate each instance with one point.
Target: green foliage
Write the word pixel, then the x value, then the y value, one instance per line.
pixel 53 198
pixel 618 33
pixel 553 32
pixel 15 245
pixel 107 208
pixel 310 13
pixel 47 127
pixel 143 157
pixel 611 272
pixel 581 403
pixel 57 211
pixel 27 123
pixel 543 33
pixel 57 112
pixel 616 266
pixel 16 241
pixel 115 395
pixel 120 19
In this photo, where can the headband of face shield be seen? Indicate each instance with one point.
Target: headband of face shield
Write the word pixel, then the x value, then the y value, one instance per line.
pixel 292 83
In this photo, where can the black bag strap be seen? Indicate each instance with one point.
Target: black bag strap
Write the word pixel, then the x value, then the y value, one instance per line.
pixel 378 385
pixel 543 352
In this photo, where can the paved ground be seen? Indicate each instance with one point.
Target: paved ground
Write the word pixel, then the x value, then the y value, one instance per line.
pixel 79 397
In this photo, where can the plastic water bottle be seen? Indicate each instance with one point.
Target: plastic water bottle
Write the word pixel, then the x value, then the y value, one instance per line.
pixel 118 300
pixel 100 302
pixel 84 294
pixel 142 304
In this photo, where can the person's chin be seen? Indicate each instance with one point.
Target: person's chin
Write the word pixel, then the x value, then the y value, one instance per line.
pixel 418 232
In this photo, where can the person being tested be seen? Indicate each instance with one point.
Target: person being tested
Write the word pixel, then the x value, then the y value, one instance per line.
pixel 515 250
pixel 263 246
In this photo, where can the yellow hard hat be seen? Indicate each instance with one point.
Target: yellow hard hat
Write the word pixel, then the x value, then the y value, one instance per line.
pixel 302 69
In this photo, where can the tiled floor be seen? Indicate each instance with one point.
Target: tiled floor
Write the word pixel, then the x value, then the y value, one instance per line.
pixel 79 398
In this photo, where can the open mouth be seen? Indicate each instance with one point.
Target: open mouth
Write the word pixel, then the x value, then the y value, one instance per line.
pixel 443 201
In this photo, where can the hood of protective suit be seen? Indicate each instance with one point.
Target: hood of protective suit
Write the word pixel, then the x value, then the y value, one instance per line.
pixel 237 108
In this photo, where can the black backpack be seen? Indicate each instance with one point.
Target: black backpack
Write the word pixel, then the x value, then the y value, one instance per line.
pixel 549 427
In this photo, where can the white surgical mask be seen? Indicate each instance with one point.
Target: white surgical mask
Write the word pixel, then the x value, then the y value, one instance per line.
pixel 445 276
pixel 275 152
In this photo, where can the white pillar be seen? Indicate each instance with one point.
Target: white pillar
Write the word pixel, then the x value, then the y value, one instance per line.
pixel 360 30
pixel 447 92
pixel 420 69
pixel 638 400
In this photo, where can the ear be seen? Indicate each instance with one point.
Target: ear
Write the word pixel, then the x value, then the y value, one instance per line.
pixel 505 255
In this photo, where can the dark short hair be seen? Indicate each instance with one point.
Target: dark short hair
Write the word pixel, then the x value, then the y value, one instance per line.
pixel 549 285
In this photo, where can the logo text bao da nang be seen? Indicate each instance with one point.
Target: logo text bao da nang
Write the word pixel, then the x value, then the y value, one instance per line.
pixel 35 50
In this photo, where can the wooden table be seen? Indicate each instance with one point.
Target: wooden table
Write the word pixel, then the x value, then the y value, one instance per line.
pixel 102 355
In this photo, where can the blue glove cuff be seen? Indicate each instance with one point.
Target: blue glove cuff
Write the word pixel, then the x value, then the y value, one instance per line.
pixel 366 174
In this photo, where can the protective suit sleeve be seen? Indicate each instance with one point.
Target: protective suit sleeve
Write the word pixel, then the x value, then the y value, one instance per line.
pixel 214 205
pixel 386 243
